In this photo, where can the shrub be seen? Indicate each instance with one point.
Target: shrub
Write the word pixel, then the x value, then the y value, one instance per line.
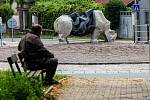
pixel 5 12
pixel 19 88
pixel 112 12
pixel 48 10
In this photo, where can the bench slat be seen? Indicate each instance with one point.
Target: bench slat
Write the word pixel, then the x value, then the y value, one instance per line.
pixel 38 73
pixel 31 73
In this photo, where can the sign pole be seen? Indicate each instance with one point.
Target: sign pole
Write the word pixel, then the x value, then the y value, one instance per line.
pixel 12 32
pixel 1 31
pixel 149 32
pixel 136 9
pixel 1 34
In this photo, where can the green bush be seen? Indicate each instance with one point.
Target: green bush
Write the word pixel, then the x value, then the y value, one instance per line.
pixel 112 12
pixel 48 10
pixel 5 12
pixel 19 88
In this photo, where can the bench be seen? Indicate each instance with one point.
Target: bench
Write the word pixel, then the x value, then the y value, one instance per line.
pixel 13 62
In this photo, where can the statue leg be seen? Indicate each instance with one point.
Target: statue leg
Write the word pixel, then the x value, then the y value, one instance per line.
pixel 60 38
pixel 107 35
pixel 95 35
pixel 105 38
pixel 67 40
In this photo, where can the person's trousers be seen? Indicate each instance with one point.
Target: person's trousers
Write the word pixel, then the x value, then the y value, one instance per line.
pixel 49 64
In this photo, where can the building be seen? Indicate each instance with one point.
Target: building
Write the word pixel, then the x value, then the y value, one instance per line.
pixel 143 20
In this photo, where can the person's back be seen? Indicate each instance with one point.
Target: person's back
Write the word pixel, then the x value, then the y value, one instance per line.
pixel 36 55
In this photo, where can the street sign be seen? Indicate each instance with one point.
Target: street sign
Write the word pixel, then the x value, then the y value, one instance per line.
pixel 12 23
pixel 136 7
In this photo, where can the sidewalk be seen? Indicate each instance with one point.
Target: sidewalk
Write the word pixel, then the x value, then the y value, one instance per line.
pixel 102 89
pixel 99 71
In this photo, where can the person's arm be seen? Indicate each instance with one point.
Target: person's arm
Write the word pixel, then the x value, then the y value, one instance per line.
pixel 20 45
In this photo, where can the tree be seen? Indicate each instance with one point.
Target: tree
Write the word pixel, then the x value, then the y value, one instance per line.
pixel 5 12
pixel 21 4
pixel 112 12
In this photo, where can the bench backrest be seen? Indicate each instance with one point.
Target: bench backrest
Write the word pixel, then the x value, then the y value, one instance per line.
pixel 24 66
pixel 22 61
pixel 13 64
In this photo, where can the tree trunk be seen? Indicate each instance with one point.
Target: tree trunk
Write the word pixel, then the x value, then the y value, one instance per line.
pixel 21 17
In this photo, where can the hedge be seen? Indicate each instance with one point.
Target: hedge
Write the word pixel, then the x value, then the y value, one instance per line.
pixel 112 12
pixel 47 11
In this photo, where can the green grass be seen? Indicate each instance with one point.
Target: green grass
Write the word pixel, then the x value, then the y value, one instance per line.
pixel 47 35
pixel 59 76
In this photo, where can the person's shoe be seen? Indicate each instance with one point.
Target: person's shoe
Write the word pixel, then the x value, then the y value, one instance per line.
pixel 50 82
pixel 53 82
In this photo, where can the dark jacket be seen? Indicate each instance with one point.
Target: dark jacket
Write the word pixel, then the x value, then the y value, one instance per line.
pixel 33 49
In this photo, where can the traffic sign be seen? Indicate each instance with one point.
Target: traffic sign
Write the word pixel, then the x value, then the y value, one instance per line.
pixel 12 23
pixel 136 7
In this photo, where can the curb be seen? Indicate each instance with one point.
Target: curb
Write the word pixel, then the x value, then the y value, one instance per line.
pixel 101 63
pixel 51 87
pixel 106 63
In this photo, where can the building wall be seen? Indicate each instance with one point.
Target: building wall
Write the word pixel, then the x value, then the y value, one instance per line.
pixel 143 18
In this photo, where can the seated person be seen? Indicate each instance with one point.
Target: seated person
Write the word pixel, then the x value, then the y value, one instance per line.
pixel 37 57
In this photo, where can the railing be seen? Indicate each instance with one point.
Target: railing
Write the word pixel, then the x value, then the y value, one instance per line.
pixel 137 32
pixel 125 13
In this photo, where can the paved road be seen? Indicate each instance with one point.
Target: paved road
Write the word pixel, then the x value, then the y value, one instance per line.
pixel 87 53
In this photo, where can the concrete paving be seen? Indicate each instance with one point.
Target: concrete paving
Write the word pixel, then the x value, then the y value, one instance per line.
pixel 106 71
pixel 101 71
pixel 102 89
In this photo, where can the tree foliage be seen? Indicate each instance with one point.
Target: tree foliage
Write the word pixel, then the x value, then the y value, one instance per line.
pixel 48 10
pixel 5 12
pixel 112 12
pixel 18 1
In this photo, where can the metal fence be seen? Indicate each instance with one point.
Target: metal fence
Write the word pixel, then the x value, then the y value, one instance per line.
pixel 126 28
pixel 141 33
